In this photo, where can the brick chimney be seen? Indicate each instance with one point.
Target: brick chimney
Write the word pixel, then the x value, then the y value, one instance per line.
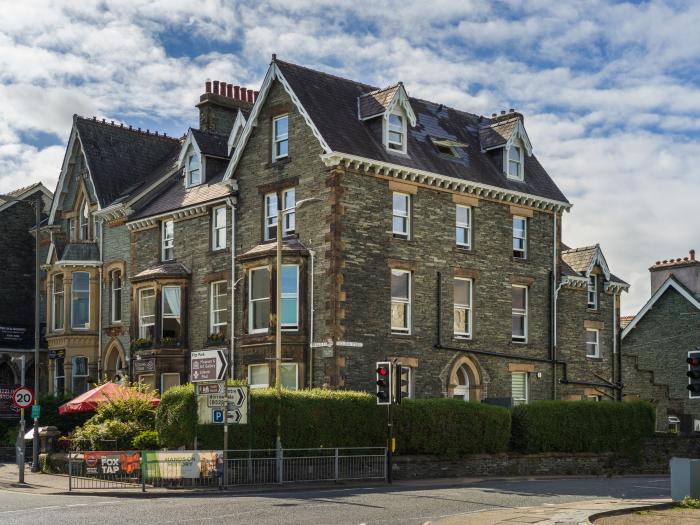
pixel 685 270
pixel 219 105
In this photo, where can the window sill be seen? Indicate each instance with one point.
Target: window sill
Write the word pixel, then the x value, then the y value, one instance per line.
pixel 397 237
pixel 463 249
pixel 400 334
pixel 592 310
pixel 513 342
pixel 278 163
pixel 594 358
pixel 219 251
pixel 520 260
pixel 463 338
pixel 395 152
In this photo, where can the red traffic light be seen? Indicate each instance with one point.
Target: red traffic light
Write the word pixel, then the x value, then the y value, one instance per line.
pixel 382 371
pixel 693 361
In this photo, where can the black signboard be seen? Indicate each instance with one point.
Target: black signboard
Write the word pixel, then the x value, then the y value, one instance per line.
pixel 13 334
pixel 144 365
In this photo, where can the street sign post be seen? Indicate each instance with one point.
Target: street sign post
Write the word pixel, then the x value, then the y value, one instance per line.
pixel 208 365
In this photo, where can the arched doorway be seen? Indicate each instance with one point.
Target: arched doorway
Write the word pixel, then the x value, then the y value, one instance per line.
pixel 465 379
pixel 7 375
pixel 115 362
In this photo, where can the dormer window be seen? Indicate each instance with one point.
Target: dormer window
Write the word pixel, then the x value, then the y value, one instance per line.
pixel 515 163
pixel 396 133
pixel 194 170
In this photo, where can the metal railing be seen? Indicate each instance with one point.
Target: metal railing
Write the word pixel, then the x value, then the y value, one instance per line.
pixel 224 469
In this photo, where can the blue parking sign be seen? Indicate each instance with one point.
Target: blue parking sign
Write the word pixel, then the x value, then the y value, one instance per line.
pixel 217 415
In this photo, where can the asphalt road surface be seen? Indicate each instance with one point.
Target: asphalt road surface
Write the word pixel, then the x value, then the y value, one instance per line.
pixel 414 503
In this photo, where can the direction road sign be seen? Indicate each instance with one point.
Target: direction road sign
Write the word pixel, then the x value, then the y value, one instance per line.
pixel 235 417
pixel 23 397
pixel 210 388
pixel 237 395
pixel 208 365
pixel 217 415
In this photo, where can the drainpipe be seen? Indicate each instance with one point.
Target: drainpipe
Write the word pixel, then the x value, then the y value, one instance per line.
pixel 99 310
pixel 231 203
pixel 311 321
pixel 555 294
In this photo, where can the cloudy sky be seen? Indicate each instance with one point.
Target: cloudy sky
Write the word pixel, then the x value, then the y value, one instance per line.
pixel 610 91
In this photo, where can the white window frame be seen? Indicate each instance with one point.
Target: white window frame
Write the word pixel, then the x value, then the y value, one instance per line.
pixel 218 226
pixel 466 226
pixel 84 221
pixel 391 145
pixel 270 217
pixel 278 139
pixel 401 214
pixel 288 213
pixel 592 292
pixel 296 375
pixel 468 308
pixel 57 375
pixel 58 296
pixel 250 376
pixel 521 401
pixel 168 374
pixel 73 375
pixel 522 313
pixel 595 346
pixel 517 163
pixel 523 238
pixel 289 327
pixel 72 302
pixel 142 323
pixel 167 243
pixel 251 313
pixel 213 325
pixel 401 330
pixel 116 313
pixel 164 316
pixel 190 180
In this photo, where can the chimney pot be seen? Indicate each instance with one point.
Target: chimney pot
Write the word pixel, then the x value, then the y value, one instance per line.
pixel 222 88
pixel 229 90
pixel 216 87
pixel 503 112
pixel 493 115
pixel 692 255
pixel 250 95
pixel 512 110
pixel 255 95
pixel 237 92
pixel 207 86
pixel 658 262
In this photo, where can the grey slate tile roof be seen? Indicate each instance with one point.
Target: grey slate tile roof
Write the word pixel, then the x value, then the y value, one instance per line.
pixel 120 158
pixel 211 143
pixel 498 133
pixel 80 251
pixel 331 103
pixel 377 101
pixel 166 269
pixel 579 259
pixel 288 246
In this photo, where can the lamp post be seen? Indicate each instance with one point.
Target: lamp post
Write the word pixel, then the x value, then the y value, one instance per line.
pixel 37 205
pixel 278 308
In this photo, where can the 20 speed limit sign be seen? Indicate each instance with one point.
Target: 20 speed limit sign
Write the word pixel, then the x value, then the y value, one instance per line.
pixel 23 397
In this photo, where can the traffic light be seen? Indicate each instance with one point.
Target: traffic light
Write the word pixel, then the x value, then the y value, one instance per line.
pixel 384 383
pixel 694 372
pixel 402 383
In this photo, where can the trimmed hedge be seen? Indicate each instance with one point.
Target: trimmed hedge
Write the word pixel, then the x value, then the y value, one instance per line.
pixel 339 418
pixel 582 426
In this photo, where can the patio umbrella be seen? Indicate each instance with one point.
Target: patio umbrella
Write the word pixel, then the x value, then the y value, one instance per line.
pixel 88 401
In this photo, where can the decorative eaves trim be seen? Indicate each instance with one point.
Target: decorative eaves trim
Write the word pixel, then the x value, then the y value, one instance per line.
pixel 598 260
pixel 238 126
pixel 574 281
pixel 615 288
pixel 183 213
pixel 273 73
pixel 442 181
pixel 669 283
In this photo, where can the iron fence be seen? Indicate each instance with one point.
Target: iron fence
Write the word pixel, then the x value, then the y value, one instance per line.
pixel 223 469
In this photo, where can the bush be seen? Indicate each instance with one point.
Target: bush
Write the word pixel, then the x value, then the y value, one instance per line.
pixel 339 418
pixel 581 426
pixel 146 440
pixel 50 416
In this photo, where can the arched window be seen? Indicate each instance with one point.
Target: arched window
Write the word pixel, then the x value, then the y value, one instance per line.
pixel 462 388
pixel 84 221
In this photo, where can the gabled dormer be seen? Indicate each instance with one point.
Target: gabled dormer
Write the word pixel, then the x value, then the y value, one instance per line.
pixel 506 134
pixel 200 150
pixel 393 106
pixel 237 129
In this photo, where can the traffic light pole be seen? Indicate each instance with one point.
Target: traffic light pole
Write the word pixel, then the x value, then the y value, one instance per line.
pixel 390 442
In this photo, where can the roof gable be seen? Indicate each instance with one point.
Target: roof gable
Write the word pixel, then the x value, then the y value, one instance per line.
pixel 25 193
pixel 669 283
pixel 238 125
pixel 502 133
pixel 583 260
pixel 383 101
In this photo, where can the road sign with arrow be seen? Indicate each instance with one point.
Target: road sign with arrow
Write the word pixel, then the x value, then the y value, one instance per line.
pixel 208 365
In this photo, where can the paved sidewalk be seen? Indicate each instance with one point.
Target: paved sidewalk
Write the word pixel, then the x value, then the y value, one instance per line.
pixel 36 482
pixel 571 513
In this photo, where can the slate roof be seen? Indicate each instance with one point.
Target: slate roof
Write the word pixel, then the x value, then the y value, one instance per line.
pixel 376 102
pixel 211 144
pixel 288 246
pixel 331 103
pixel 120 158
pixel 166 269
pixel 498 133
pixel 576 261
pixel 80 251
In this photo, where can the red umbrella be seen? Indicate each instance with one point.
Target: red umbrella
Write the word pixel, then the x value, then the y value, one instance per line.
pixel 88 401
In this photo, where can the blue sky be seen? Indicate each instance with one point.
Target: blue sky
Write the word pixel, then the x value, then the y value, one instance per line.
pixel 610 91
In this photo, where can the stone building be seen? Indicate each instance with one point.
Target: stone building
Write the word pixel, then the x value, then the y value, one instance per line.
pixel 17 292
pixel 657 341
pixel 428 235
pixel 107 169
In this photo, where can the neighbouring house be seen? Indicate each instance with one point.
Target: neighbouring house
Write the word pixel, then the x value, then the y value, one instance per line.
pixel 17 290
pixel 658 340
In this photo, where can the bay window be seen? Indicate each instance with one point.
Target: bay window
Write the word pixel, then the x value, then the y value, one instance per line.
pixel 58 305
pixel 147 314
pixel 59 376
pixel 290 297
pixel 80 301
pixel 171 325
pixel 79 380
pixel 258 300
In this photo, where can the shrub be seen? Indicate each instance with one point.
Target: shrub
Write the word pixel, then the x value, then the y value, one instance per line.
pixel 50 416
pixel 581 426
pixel 339 418
pixel 146 440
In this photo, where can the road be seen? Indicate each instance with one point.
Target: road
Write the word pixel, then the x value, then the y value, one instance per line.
pixel 405 503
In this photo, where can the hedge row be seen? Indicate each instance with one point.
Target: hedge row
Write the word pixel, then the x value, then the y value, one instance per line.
pixel 581 426
pixel 443 427
pixel 337 418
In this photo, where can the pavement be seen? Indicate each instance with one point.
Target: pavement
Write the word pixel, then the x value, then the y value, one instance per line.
pixel 444 501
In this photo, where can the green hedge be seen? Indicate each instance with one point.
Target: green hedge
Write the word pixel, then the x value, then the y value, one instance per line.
pixel 581 426
pixel 50 416
pixel 339 418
